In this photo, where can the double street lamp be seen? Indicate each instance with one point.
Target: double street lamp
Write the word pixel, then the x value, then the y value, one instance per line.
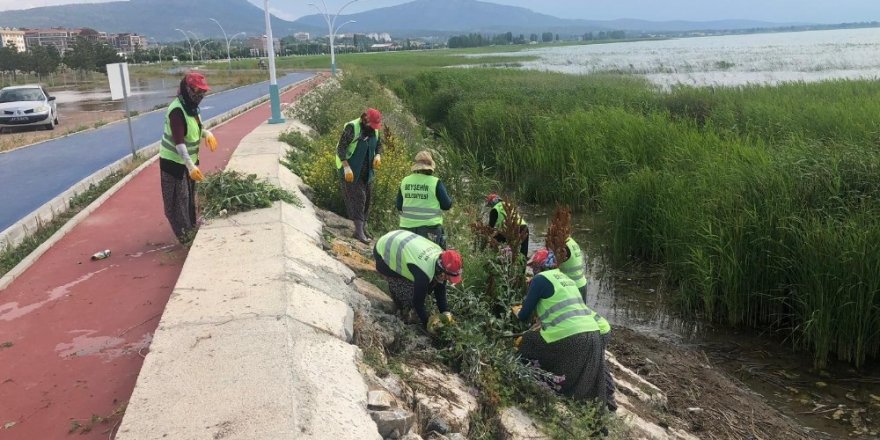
pixel 228 57
pixel 331 23
pixel 191 59
pixel 201 44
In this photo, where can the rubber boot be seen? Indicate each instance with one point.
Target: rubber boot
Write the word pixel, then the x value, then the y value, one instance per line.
pixel 367 232
pixel 359 232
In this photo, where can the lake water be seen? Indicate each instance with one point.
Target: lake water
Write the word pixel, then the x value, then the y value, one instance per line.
pixel 726 60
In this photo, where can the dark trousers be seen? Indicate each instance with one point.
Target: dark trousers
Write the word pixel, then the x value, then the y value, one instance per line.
pixel 433 233
pixel 179 200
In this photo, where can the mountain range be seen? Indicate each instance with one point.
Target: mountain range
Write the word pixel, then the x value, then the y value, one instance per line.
pixel 160 19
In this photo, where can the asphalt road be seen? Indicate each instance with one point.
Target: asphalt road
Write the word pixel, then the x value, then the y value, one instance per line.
pixel 32 176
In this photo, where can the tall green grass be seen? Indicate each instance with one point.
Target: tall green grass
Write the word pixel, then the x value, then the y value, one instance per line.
pixel 761 201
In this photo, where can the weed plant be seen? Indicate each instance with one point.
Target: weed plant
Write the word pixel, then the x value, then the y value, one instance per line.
pixel 232 192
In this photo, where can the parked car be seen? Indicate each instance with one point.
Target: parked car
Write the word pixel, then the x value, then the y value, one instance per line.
pixel 27 106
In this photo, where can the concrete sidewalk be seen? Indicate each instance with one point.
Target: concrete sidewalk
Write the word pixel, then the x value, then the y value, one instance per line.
pixel 254 342
pixel 73 332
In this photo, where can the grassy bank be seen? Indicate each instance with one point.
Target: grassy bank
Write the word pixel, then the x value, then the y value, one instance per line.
pixel 475 347
pixel 761 201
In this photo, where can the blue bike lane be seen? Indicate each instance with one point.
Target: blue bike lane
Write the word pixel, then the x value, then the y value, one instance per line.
pixel 34 175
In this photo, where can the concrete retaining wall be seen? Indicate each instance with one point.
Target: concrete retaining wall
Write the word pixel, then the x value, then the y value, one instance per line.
pixel 254 341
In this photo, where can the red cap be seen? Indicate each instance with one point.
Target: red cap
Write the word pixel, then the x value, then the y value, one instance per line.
pixel 543 258
pixel 450 263
pixel 491 199
pixel 374 118
pixel 197 81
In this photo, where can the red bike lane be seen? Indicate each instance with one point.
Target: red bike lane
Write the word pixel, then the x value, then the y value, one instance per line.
pixel 74 332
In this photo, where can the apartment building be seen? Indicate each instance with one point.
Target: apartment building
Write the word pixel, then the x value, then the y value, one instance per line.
pixel 63 39
pixel 14 36
pixel 257 45
pixel 127 42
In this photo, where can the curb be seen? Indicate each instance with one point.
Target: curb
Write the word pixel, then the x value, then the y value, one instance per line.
pixel 18 232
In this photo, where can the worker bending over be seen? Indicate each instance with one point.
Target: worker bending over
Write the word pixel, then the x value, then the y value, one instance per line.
pixel 497 217
pixel 569 343
pixel 413 266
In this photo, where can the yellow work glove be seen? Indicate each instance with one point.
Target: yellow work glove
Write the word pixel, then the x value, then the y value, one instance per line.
pixel 210 140
pixel 447 319
pixel 515 309
pixel 517 342
pixel 434 324
pixel 196 174
pixel 377 162
pixel 349 175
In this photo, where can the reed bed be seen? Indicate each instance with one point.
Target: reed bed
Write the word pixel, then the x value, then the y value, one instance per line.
pixel 763 202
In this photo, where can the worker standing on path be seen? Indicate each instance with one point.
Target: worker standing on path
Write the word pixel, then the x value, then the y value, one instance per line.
pixel 569 343
pixel 421 200
pixel 413 266
pixel 179 155
pixel 497 217
pixel 358 153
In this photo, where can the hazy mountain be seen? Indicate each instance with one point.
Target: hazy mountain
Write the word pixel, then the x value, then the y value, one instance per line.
pixel 155 18
pixel 160 18
pixel 462 16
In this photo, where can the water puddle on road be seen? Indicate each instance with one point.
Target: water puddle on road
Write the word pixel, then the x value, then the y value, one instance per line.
pixel 146 95
pixel 12 310
pixel 837 402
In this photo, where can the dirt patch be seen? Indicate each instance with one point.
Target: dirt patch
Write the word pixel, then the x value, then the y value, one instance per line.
pixel 700 398
pixel 69 122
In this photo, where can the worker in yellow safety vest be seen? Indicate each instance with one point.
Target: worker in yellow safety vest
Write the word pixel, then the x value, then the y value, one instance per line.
pixel 421 200
pixel 497 217
pixel 414 266
pixel 569 343
pixel 179 155
pixel 358 154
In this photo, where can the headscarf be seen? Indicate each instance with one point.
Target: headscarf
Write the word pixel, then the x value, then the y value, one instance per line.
pixel 190 103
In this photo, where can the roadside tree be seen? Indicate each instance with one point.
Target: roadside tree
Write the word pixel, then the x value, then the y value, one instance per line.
pixel 10 59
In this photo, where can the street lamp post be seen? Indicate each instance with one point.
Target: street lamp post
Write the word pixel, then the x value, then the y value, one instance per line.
pixel 191 59
pixel 274 96
pixel 228 57
pixel 330 28
pixel 201 46
pixel 159 45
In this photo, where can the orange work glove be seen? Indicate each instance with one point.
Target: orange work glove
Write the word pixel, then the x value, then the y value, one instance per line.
pixel 349 175
pixel 196 174
pixel 210 140
pixel 515 309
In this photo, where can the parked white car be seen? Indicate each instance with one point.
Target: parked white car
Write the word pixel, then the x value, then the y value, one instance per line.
pixel 27 106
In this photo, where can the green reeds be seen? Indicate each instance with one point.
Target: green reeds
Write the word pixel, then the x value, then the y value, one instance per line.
pixel 743 193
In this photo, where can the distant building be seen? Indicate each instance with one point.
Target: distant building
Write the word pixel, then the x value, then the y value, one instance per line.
pixel 127 43
pixel 257 45
pixel 61 38
pixel 64 39
pixel 384 36
pixel 14 36
pixel 301 36
pixel 383 46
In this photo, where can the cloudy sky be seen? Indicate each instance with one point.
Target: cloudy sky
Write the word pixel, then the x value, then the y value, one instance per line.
pixel 814 11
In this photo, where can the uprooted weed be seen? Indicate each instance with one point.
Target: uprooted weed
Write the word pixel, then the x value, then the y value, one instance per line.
pixel 231 192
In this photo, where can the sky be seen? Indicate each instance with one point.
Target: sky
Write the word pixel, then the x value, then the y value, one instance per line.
pixel 777 11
